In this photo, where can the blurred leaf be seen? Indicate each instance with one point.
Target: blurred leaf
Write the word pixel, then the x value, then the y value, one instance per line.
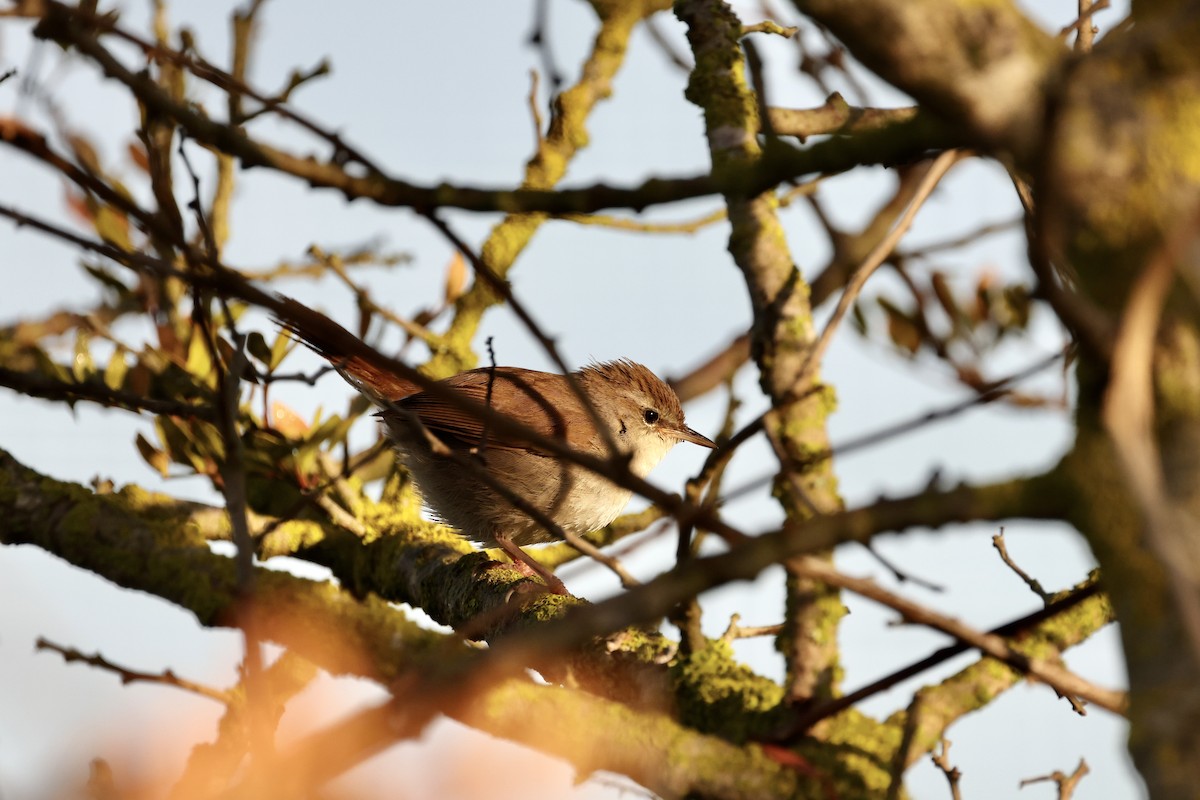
pixel 229 356
pixel 174 440
pixel 333 429
pixel 120 189
pixel 156 458
pixel 199 360
pixel 77 202
pixel 858 319
pixel 287 421
pixel 365 316
pixel 49 367
pixel 280 348
pixel 971 376
pixel 174 290
pixel 256 346
pixel 137 154
pixel 236 310
pixel 903 330
pixel 139 379
pixel 106 278
pixel 1017 304
pixel 308 459
pixel 193 443
pixel 82 365
pixel 945 298
pixel 207 440
pixel 983 295
pixel 113 227
pixel 456 278
pixel 85 153
pixel 114 373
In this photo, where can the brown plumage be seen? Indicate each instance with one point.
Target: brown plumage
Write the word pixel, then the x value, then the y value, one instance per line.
pixel 641 413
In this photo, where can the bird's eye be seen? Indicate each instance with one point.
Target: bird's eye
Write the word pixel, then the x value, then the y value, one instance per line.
pixel 650 415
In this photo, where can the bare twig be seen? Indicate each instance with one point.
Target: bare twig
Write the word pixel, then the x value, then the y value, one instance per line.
pixel 335 264
pixel 1083 25
pixel 811 716
pixel 996 390
pixel 1031 582
pixel 899 574
pixel 101 24
pixel 127 675
pixel 735 630
pixel 968 238
pixel 1058 678
pixel 535 110
pixel 339 515
pixel 952 773
pixel 939 168
pixel 668 49
pixel 1091 326
pixel 1066 783
pixel 539 37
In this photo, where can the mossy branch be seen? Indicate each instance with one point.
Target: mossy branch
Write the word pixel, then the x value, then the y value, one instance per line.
pixel 142 541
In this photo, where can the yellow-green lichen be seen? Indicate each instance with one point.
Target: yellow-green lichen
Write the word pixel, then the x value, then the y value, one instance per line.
pixel 717 694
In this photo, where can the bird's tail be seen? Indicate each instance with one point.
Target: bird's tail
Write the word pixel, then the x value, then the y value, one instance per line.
pixel 371 373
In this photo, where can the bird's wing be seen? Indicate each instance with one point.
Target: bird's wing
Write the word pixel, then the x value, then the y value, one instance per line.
pixel 518 394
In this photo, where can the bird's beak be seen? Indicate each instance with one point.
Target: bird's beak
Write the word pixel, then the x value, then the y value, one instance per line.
pixel 686 434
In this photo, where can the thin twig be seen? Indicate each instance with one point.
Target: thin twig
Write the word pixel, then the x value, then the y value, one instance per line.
pixel 340 516
pixel 1031 582
pixel 539 38
pixel 668 49
pixel 127 675
pixel 1066 783
pixel 877 256
pixel 996 390
pixel 218 77
pixel 735 630
pixel 952 773
pixel 1063 681
pixel 535 111
pixel 1083 24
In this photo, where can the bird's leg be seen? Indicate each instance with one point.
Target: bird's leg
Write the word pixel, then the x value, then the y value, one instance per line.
pixel 528 565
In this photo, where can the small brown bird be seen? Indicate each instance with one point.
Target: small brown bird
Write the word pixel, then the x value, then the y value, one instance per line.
pixel 641 413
